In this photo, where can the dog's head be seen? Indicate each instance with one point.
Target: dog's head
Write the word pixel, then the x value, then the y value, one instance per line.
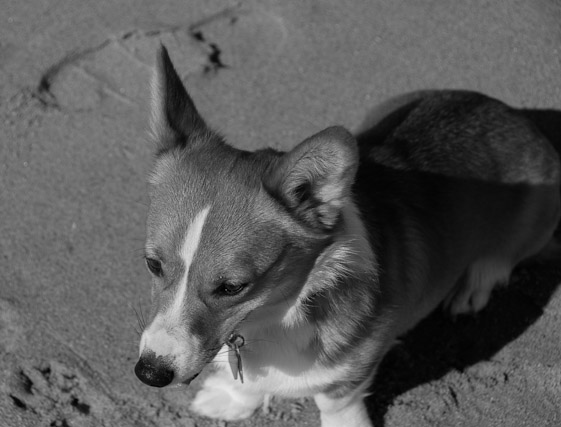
pixel 231 235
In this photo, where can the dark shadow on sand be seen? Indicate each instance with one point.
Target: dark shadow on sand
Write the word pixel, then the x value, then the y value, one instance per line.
pixel 440 344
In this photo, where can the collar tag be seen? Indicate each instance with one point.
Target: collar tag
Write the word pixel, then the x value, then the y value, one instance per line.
pixel 235 342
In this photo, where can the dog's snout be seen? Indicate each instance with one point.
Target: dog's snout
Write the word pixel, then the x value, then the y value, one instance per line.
pixel 154 371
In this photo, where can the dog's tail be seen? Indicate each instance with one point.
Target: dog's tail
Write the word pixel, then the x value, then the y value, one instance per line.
pixel 549 124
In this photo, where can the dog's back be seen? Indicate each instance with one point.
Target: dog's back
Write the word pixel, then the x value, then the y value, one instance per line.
pixel 465 186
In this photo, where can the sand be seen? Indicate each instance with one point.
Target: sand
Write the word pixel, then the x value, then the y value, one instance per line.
pixel 74 80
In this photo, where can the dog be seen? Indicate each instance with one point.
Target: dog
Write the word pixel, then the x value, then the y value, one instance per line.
pixel 296 271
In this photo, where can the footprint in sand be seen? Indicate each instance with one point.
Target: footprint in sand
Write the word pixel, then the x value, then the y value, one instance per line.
pixel 117 72
pixel 64 392
pixel 59 394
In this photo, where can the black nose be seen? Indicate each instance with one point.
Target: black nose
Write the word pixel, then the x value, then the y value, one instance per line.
pixel 152 370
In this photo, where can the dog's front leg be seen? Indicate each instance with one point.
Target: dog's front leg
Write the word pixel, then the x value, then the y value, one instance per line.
pixel 348 411
pixel 224 398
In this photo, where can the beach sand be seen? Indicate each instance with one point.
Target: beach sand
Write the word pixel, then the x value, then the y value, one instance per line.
pixel 74 98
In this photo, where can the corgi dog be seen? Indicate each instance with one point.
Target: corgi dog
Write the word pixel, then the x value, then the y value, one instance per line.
pixel 294 272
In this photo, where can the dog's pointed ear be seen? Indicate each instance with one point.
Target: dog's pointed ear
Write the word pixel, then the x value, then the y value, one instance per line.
pixel 174 115
pixel 314 180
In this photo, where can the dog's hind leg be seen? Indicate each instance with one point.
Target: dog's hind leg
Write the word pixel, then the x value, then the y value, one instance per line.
pixel 476 285
pixel 527 234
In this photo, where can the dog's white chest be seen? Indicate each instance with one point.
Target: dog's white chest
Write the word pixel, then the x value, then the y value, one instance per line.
pixel 281 371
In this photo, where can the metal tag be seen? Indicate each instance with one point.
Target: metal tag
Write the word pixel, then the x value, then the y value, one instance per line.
pixel 234 357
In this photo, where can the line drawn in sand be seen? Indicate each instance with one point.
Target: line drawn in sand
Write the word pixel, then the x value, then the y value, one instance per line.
pixel 116 72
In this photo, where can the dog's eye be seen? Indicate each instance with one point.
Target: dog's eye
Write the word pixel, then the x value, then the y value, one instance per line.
pixel 231 288
pixel 154 266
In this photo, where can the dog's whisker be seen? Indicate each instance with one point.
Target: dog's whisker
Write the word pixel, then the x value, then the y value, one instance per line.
pixel 142 318
pixel 132 343
pixel 138 332
pixel 139 318
pixel 260 340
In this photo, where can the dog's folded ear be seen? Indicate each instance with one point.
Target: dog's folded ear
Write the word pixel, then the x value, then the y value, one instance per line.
pixel 314 179
pixel 174 115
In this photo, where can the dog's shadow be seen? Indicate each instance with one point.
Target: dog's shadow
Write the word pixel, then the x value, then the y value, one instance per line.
pixel 440 344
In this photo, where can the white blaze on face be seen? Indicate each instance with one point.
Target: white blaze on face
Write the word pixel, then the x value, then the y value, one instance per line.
pixel 188 251
pixel 159 337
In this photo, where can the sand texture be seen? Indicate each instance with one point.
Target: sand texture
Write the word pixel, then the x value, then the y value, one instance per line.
pixel 74 92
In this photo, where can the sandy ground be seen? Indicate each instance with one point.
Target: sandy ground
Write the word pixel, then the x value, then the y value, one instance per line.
pixel 73 159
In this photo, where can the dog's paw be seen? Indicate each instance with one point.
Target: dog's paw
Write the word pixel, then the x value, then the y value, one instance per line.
pixel 476 287
pixel 224 399
pixel 465 302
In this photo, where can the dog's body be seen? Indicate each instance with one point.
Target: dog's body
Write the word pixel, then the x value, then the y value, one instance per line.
pixel 322 256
